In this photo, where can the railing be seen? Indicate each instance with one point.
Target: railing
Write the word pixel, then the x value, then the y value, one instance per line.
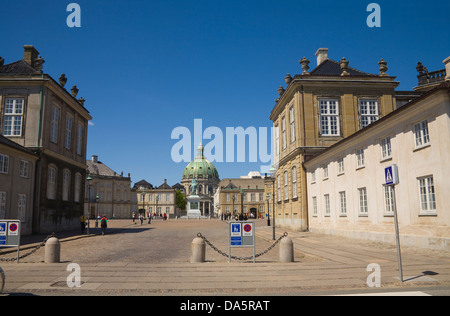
pixel 432 77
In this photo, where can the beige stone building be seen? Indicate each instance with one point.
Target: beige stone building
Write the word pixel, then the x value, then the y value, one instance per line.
pixel 347 191
pixel 39 114
pixel 243 195
pixel 17 181
pixel 108 193
pixel 157 200
pixel 317 109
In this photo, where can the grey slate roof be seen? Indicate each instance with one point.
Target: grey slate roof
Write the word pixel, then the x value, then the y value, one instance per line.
pixel 20 67
pixel 332 68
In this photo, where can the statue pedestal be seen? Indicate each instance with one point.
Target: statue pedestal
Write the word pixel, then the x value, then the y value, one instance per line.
pixel 194 207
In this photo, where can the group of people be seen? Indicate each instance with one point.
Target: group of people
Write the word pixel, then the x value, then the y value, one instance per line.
pixel 103 220
pixel 149 217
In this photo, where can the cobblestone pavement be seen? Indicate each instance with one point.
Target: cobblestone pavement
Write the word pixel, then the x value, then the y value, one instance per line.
pixel 154 259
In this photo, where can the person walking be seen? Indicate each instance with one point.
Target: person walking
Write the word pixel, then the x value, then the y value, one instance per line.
pixel 141 218
pixel 103 224
pixel 83 221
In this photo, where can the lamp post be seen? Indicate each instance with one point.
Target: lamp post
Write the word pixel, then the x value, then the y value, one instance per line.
pixel 241 217
pixel 268 209
pixel 89 179
pixel 143 200
pixel 272 174
pixel 233 198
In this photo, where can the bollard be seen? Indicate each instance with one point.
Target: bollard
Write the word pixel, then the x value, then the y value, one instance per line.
pixel 198 250
pixel 52 250
pixel 286 250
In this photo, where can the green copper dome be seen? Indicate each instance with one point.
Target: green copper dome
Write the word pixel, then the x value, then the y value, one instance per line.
pixel 200 167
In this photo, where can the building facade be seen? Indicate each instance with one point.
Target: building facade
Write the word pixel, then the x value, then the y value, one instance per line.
pixel 17 172
pixel 244 196
pixel 317 109
pixel 108 193
pixel 157 201
pixel 347 194
pixel 39 114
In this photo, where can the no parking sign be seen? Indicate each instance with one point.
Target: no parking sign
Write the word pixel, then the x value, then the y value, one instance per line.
pixel 241 234
pixel 10 234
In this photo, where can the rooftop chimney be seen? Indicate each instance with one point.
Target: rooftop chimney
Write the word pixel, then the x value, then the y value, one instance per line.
pixel 322 55
pixel 30 54
pixel 94 158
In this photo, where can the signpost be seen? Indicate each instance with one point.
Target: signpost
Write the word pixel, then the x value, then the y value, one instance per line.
pixel 391 179
pixel 241 234
pixel 10 234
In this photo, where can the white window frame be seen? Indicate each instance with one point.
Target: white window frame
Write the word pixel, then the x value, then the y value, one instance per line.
pixel 325 172
pixel 283 131
pixel 68 133
pixel 4 164
pixel 294 182
pixel 421 134
pixel 279 187
pixel 389 200
pixel 286 187
pixel 343 203
pixel 292 123
pixel 13 117
pixel 314 202
pixel 341 167
pixel 54 125
pixel 368 112
pixel 24 169
pixel 329 117
pixel 363 205
pixel 360 158
pixel 427 195
pixel 326 199
pixel 313 176
pixel 386 148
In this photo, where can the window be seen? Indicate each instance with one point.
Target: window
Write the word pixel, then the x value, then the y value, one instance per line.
pixel 279 187
pixel 79 139
pixel 327 205
pixel 51 183
pixel 286 188
pixel 283 131
pixel 22 207
pixel 427 195
pixel 386 148
pixel 252 197
pixel 343 203
pixel 227 197
pixel 2 205
pixel 168 197
pixel 314 199
pixel 294 182
pixel 292 123
pixel 421 134
pixel 68 135
pixel 13 117
pixel 368 110
pixel 66 185
pixel 341 165
pixel 329 118
pixel 389 200
pixel 24 168
pixel 4 164
pixel 313 176
pixel 325 172
pixel 77 193
pixel 54 125
pixel 360 158
pixel 277 141
pixel 363 209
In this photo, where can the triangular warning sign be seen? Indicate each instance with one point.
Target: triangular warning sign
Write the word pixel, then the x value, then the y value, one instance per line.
pixel 388 175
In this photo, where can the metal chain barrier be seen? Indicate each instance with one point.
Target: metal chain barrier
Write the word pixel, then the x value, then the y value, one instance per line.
pixel 29 253
pixel 241 258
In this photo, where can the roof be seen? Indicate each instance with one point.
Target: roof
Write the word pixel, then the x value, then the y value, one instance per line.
pixel 332 68
pixel 10 143
pixel 144 184
pixel 200 167
pixel 20 67
pixel 100 169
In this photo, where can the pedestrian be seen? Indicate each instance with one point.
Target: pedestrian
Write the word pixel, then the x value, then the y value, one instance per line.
pixel 149 218
pixel 103 224
pixel 83 221
pixel 165 216
pixel 141 218
pixel 134 217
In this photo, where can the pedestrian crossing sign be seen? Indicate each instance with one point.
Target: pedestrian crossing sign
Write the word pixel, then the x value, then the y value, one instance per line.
pixel 391 175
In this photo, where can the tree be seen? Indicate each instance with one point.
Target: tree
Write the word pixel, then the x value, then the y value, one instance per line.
pixel 180 200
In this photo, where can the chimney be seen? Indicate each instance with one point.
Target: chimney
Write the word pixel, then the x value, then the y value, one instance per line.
pixel 30 54
pixel 447 68
pixel 94 158
pixel 322 55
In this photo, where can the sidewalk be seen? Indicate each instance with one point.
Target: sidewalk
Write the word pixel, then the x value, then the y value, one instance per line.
pixel 322 263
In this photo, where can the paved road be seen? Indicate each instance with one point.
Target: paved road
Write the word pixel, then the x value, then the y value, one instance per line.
pixel 154 260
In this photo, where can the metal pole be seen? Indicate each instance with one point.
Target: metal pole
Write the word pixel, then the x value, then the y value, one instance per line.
pixel 273 206
pixel 397 234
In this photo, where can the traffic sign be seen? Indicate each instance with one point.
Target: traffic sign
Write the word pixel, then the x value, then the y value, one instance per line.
pixel 248 230
pixel 391 175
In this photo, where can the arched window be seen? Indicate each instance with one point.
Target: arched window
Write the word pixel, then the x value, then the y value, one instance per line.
pixel 66 185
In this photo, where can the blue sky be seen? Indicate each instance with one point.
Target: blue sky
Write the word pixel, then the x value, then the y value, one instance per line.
pixel 147 67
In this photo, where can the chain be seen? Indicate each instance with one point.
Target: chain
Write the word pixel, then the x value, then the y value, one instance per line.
pixel 29 253
pixel 241 258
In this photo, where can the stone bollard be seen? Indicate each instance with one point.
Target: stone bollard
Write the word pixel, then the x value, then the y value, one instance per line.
pixel 286 250
pixel 198 250
pixel 52 250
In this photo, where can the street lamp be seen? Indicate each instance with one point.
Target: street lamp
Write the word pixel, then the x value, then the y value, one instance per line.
pixel 272 175
pixel 241 217
pixel 268 209
pixel 143 200
pixel 89 179
pixel 233 198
